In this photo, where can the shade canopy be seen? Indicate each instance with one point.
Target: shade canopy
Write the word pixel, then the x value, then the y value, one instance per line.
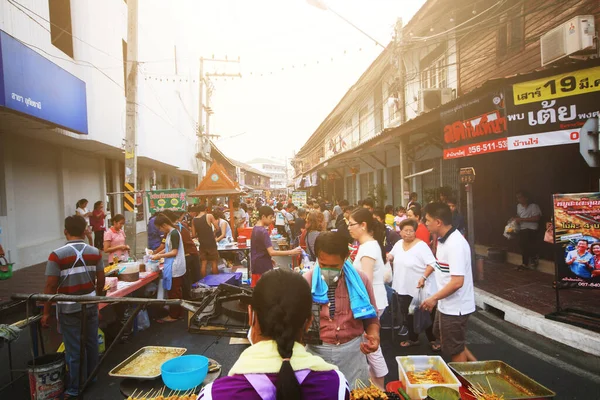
pixel 217 183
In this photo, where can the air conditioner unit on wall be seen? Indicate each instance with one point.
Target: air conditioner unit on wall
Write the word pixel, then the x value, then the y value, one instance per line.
pixel 572 37
pixel 433 98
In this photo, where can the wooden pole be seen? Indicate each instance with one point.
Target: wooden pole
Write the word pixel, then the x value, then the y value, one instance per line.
pixel 231 218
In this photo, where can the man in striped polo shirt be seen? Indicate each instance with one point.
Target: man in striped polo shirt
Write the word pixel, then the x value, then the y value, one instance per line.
pixel 75 269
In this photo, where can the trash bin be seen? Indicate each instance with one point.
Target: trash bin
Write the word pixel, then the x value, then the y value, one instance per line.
pixel 47 378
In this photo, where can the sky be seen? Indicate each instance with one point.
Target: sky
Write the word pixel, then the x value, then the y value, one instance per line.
pixel 296 61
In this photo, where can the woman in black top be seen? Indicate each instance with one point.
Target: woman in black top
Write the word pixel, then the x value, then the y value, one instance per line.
pixel 202 228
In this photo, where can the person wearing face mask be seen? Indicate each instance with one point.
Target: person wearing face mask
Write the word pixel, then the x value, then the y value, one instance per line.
pixel 277 366
pixel 349 327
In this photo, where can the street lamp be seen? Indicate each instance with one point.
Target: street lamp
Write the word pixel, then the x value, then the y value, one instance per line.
pixel 320 4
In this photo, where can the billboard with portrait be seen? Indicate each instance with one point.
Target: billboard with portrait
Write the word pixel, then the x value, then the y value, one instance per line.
pixel 577 239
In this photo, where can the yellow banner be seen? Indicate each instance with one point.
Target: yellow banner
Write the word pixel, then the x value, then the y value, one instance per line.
pixel 557 86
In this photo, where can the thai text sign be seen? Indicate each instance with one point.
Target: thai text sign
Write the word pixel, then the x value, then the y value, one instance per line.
pixel 168 199
pixel 557 86
pixel 577 239
pixel 475 127
pixel 35 86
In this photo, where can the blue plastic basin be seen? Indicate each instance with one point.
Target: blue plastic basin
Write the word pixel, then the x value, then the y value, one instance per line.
pixel 184 372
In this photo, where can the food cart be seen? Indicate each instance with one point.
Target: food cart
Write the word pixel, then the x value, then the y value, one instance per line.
pixel 217 183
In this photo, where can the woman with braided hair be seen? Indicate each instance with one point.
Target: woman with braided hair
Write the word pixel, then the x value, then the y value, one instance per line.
pixel 277 366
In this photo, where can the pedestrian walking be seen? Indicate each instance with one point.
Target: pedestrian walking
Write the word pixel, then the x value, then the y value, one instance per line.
pixel 81 210
pixel 75 269
pixel 455 296
pixel 341 223
pixel 422 233
pixel 413 202
pixel 458 220
pixel 174 265
pixel 370 235
pixel 114 241
pixel 410 257
pixel 277 366
pixel 528 218
pixel 349 327
pixel 391 236
pixel 315 224
pixel 97 222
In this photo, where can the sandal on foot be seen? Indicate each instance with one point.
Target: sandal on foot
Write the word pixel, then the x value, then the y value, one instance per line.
pixel 409 343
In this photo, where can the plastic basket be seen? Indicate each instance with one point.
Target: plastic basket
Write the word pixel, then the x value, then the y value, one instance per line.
pixel 421 363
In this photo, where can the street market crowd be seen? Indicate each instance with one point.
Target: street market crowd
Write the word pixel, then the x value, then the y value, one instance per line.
pixel 355 261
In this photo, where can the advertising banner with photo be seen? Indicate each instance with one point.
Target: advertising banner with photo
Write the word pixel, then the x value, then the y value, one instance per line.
pixel 577 240
pixel 543 112
pixel 167 199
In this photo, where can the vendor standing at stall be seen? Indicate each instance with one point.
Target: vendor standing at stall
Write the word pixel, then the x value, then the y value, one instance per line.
pixel 203 227
pixel 262 247
pixel 75 269
pixel 343 323
pixel 155 238
pixel 114 241
pixel 174 265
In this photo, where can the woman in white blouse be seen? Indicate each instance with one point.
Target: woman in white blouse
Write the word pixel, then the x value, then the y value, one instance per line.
pixel 370 234
pixel 410 257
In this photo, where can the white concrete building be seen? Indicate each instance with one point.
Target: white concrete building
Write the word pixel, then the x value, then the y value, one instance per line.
pixel 62 121
pixel 277 170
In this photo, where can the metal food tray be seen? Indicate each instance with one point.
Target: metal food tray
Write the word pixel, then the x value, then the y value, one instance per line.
pixel 161 352
pixel 503 379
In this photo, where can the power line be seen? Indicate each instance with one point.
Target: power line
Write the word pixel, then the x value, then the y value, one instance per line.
pixel 338 125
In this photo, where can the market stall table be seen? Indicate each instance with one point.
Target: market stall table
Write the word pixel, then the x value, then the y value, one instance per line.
pixel 141 386
pixel 125 288
pixel 233 247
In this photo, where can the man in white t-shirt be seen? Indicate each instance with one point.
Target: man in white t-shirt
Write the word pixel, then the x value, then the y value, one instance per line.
pixel 455 297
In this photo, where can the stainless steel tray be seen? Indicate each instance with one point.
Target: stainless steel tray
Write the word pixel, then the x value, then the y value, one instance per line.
pixel 503 379
pixel 145 363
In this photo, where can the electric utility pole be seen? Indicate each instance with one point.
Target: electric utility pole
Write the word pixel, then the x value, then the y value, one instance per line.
pixel 131 84
pixel 203 134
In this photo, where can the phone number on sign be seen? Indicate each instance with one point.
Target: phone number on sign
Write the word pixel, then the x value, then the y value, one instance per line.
pixel 488 147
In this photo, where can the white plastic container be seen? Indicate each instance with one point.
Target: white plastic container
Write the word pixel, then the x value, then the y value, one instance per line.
pixel 153 266
pixel 422 363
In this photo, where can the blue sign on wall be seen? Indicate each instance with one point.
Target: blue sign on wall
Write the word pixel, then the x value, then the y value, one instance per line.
pixel 33 85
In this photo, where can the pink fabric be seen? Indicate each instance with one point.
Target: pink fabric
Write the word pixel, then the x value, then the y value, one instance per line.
pixel 116 238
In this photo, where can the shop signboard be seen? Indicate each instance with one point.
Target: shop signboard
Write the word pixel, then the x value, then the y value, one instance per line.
pixel 475 127
pixel 543 112
pixel 299 198
pixel 577 240
pixel 551 111
pixel 168 199
pixel 33 85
